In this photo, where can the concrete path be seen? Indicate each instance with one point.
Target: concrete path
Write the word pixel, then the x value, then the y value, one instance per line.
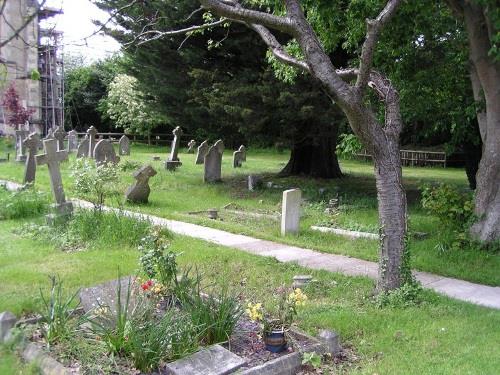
pixel 459 289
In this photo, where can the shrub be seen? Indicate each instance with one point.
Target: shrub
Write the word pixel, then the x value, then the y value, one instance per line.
pixel 409 294
pixel 348 146
pixel 453 208
pixel 57 312
pixel 23 203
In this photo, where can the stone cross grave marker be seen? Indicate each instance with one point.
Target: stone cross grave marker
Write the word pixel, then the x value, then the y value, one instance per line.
pixel 173 160
pixel 59 135
pixel 50 134
pixel 139 191
pixel 20 150
pixel 91 132
pixel 239 157
pixel 202 151
pixel 105 153
pixel 31 143
pixel 53 158
pixel 83 148
pixel 72 140
pixel 290 211
pixel 191 146
pixel 124 145
pixel 213 162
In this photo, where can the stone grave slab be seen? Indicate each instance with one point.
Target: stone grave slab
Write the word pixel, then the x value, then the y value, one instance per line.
pixel 290 215
pixel 214 360
pixel 105 295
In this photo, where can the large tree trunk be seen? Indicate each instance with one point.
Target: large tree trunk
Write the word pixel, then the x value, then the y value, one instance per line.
pixel 314 157
pixel 485 78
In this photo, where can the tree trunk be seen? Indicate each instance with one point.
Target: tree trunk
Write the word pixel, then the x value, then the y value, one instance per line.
pixel 472 154
pixel 485 78
pixel 314 157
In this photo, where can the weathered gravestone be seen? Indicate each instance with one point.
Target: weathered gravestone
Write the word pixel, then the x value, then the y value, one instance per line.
pixel 124 145
pixel 7 322
pixel 213 162
pixel 50 134
pixel 191 146
pixel 92 133
pixel 72 140
pixel 105 295
pixel 239 157
pixel 173 160
pixel 139 191
pixel 20 150
pixel 202 151
pixel 290 211
pixel 254 182
pixel 59 135
pixel 52 158
pixel 83 148
pixel 31 144
pixel 104 153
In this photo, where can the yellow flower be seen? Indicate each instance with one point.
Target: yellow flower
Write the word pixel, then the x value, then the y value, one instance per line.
pixel 254 311
pixel 298 297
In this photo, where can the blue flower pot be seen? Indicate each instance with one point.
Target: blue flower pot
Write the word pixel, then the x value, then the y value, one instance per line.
pixel 275 341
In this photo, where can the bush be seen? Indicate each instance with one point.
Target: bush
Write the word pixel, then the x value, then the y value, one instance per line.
pixel 409 294
pixel 23 203
pixel 348 146
pixel 453 208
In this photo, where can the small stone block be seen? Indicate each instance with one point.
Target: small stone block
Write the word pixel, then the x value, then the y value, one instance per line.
pixel 300 281
pixel 331 341
pixel 156 158
pixel 172 165
pixel 214 360
pixel 7 322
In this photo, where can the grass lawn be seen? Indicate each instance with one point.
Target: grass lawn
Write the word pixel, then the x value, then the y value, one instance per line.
pixel 441 336
pixel 176 194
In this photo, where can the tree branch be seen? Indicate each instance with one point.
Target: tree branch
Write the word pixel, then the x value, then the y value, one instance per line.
pixel 26 22
pixel 373 28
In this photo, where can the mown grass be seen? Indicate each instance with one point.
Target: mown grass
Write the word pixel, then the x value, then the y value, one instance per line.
pixel 176 194
pixel 440 336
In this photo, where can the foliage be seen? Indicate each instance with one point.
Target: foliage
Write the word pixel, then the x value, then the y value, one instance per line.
pixel 94 182
pixel 129 165
pixel 26 202
pixel 130 108
pixel 409 294
pixel 17 114
pixel 282 315
pixel 348 146
pixel 311 358
pixel 57 312
pixel 453 208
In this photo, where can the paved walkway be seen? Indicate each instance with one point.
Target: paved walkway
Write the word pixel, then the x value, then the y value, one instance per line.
pixel 462 290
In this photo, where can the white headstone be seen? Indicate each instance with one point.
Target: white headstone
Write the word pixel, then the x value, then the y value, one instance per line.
pixel 290 211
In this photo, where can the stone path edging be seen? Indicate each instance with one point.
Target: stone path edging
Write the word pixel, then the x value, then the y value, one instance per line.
pixel 478 294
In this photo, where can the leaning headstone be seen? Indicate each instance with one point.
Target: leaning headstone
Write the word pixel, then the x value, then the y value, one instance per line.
pixel 212 360
pixel 173 160
pixel 92 133
pixel 31 144
pixel 83 148
pixel 72 140
pixel 290 211
pixel 213 162
pixel 60 135
pixel 104 153
pixel 139 191
pixel 254 182
pixel 124 145
pixel 52 158
pixel 7 322
pixel 239 157
pixel 20 150
pixel 202 151
pixel 191 146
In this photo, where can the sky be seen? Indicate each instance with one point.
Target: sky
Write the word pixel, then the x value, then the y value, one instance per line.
pixel 76 23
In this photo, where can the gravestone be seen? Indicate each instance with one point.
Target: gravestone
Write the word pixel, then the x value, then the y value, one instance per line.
pixel 59 135
pixel 239 157
pixel 104 153
pixel 213 162
pixel 139 191
pixel 124 145
pixel 72 140
pixel 202 151
pixel 50 134
pixel 7 322
pixel 254 182
pixel 331 342
pixel 20 150
pixel 191 146
pixel 173 160
pixel 52 158
pixel 105 295
pixel 83 148
pixel 290 211
pixel 92 133
pixel 31 144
